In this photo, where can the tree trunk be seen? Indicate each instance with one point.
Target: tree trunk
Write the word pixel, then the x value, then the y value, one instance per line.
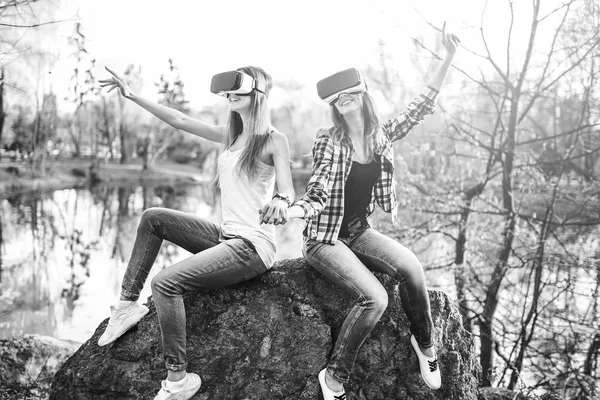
pixel 123 141
pixel 1 105
pixel 528 330
pixel 491 299
pixel 148 151
pixel 590 366
pixel 460 256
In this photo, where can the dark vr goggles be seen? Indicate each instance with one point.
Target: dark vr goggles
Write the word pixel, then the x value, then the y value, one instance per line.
pixel 346 81
pixel 235 82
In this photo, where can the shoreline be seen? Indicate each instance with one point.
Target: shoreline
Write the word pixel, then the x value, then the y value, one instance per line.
pixel 15 178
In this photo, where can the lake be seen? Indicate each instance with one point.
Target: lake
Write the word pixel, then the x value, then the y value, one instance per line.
pixel 63 253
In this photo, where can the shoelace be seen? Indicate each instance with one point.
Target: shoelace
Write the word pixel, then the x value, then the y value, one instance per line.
pixel 340 397
pixel 433 365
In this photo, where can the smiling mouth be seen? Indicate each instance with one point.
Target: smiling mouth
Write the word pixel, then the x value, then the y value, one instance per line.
pixel 346 102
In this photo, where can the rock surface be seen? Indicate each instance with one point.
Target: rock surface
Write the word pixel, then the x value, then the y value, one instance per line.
pixel 28 364
pixel 267 339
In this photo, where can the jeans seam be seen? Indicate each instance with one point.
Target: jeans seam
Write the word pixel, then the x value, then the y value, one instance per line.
pixel 138 270
pixel 249 251
pixel 360 298
pixel 254 271
pixel 344 341
pixel 202 235
pixel 342 278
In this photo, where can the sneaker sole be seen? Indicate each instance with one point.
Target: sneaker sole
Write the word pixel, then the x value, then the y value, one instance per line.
pixel 120 333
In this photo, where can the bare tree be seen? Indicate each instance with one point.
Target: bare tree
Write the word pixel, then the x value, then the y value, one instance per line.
pixel 502 137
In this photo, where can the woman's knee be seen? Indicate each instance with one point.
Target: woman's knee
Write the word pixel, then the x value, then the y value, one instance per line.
pixel 160 284
pixel 409 269
pixel 378 300
pixel 152 217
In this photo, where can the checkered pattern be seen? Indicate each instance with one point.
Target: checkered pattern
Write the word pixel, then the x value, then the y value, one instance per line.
pixel 323 203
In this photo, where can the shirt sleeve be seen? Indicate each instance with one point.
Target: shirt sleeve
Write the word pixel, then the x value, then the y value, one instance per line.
pixel 315 198
pixel 413 115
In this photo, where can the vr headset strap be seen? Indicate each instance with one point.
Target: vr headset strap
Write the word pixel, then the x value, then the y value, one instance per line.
pixel 260 86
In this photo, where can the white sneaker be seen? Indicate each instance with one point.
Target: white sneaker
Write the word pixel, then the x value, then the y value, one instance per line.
pixel 329 394
pixel 430 370
pixel 121 320
pixel 190 387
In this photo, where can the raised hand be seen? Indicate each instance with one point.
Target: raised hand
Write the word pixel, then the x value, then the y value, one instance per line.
pixel 115 82
pixel 450 41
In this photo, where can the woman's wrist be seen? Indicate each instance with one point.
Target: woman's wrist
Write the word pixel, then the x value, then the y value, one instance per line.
pixel 295 212
pixel 284 197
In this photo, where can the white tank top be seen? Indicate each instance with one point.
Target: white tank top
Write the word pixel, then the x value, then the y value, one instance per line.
pixel 241 200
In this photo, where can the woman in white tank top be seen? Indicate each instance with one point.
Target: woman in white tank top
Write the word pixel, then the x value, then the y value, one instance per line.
pixel 239 249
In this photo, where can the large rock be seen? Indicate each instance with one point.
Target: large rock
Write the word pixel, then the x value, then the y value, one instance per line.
pixel 267 339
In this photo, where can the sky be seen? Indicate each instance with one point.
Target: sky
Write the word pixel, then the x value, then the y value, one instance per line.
pixel 300 41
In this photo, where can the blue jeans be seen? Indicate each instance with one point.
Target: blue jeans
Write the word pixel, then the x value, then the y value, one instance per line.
pixel 348 263
pixel 217 262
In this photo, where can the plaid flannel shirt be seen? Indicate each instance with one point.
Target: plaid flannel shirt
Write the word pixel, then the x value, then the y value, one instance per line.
pixel 323 202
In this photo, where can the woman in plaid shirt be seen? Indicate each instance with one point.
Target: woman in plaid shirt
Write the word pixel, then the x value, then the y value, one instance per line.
pixel 353 167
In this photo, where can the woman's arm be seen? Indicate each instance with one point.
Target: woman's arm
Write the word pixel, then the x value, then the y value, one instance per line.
pixel 314 200
pixel 173 117
pixel 450 42
pixel 424 104
pixel 276 211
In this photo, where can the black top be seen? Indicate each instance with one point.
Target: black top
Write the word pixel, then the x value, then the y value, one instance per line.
pixel 358 190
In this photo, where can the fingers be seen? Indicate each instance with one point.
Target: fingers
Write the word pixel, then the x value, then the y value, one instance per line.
pixel 112 88
pixel 113 72
pixel 455 39
pixel 273 214
pixel 274 219
pixel 267 214
pixel 444 30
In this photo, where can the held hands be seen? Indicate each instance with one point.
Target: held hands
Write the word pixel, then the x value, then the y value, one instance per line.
pixel 450 41
pixel 274 212
pixel 115 82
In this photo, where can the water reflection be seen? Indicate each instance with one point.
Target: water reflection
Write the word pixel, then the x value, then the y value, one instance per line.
pixel 63 254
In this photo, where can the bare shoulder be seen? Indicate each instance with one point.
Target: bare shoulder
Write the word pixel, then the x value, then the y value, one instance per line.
pixel 278 143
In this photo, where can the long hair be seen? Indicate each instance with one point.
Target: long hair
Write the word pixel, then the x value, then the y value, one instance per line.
pixel 258 127
pixel 372 135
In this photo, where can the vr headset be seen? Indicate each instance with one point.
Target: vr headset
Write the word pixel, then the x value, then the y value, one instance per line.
pixel 346 81
pixel 235 82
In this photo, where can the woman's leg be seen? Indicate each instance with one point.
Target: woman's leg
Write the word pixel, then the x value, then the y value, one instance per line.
pixel 230 262
pixel 156 224
pixel 339 264
pixel 188 231
pixel 383 254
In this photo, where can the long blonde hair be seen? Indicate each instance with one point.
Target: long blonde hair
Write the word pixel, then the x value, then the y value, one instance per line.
pixel 259 124
pixel 373 136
